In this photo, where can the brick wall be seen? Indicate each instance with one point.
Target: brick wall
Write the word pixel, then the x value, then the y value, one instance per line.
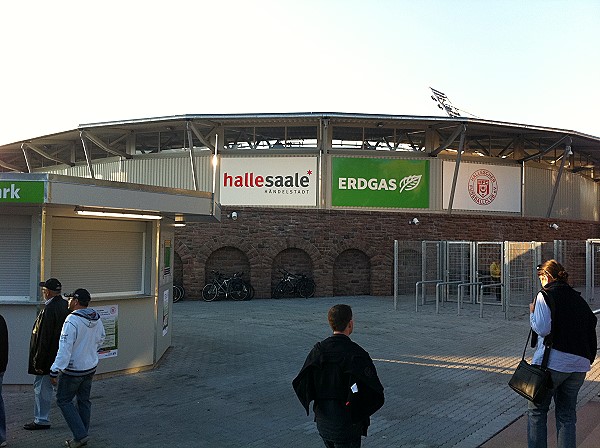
pixel 345 251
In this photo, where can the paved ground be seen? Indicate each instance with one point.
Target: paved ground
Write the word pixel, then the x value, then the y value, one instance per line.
pixel 226 382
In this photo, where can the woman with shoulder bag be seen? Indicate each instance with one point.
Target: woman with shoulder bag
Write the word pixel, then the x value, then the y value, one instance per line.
pixel 561 317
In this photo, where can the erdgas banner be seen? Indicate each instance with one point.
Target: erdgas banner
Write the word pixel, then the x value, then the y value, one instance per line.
pixel 370 182
pixel 483 187
pixel 269 181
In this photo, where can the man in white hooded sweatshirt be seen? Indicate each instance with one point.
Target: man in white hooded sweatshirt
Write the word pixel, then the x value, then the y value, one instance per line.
pixel 75 364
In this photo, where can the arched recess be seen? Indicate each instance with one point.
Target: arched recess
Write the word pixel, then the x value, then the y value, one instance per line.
pixel 353 248
pixel 352 274
pixel 227 260
pixel 294 260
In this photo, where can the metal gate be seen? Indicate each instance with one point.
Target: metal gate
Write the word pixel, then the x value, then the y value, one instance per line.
pixel 592 267
pixel 460 265
pixel 521 281
pixel 487 254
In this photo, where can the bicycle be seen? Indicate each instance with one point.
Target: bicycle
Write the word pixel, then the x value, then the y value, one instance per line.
pixel 178 293
pixel 294 284
pixel 225 287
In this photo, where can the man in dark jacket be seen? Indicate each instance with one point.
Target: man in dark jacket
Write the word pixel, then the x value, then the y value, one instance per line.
pixel 43 348
pixel 341 378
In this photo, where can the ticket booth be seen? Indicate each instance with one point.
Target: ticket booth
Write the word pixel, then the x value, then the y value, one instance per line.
pixel 115 239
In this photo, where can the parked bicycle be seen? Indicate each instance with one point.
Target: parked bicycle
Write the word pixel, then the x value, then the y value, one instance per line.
pixel 225 287
pixel 178 293
pixel 294 285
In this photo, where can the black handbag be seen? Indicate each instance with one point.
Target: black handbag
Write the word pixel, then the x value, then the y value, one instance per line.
pixel 530 381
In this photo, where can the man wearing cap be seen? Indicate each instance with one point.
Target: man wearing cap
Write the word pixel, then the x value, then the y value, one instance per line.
pixel 42 350
pixel 75 364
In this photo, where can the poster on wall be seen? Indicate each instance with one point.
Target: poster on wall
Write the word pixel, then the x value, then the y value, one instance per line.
pixel 376 182
pixel 167 258
pixel 290 181
pixel 483 187
pixel 165 328
pixel 110 319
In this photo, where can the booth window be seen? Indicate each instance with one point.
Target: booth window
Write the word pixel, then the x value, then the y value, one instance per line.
pixel 108 260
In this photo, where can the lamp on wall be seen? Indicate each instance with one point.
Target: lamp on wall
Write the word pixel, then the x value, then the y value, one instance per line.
pixel 102 213
pixel 179 221
pixel 233 216
pixel 414 221
pixel 554 226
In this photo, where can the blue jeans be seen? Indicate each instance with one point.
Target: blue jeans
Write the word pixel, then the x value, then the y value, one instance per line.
pixel 77 417
pixel 566 387
pixel 2 413
pixel 43 392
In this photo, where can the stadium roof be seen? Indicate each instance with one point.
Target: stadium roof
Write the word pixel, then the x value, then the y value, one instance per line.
pixel 296 131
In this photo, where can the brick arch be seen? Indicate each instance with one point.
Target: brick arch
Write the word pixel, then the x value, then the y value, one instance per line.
pixel 380 278
pixel 190 270
pixel 206 249
pixel 351 273
pixel 292 243
pixel 279 246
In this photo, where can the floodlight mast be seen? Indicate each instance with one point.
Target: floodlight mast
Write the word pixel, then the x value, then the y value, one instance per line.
pixel 444 103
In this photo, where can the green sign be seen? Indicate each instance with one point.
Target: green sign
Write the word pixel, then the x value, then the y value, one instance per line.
pixel 15 192
pixel 393 183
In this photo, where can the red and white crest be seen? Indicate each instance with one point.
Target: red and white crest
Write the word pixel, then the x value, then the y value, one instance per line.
pixel 483 187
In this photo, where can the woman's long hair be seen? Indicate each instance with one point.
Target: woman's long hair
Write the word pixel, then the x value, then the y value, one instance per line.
pixel 554 269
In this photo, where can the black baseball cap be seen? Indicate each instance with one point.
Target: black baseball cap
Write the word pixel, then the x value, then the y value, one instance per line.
pixel 52 284
pixel 82 296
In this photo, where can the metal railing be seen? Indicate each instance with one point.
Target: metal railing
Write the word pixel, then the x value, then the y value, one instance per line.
pixel 437 293
pixel 422 285
pixel 460 294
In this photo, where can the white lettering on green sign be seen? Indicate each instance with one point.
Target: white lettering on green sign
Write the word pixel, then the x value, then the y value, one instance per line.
pixel 10 192
pixel 21 192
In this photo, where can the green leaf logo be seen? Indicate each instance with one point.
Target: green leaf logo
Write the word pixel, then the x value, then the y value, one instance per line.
pixel 409 183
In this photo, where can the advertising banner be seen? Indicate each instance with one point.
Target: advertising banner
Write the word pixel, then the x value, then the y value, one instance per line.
pixel 15 192
pixel 110 319
pixel 483 187
pixel 269 181
pixel 392 183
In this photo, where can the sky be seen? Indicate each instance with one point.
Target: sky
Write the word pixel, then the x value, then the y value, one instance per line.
pixel 65 63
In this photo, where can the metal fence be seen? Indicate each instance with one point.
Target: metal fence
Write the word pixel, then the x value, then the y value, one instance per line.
pixel 500 274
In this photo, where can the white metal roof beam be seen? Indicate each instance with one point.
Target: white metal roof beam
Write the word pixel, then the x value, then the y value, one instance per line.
pixel 202 138
pixel 8 166
pixel 560 171
pixel 95 140
pixel 544 151
pixel 457 131
pixel 44 154
pixel 461 146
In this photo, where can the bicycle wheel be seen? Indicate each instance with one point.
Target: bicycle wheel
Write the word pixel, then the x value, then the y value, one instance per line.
pixel 277 292
pixel 238 290
pixel 250 291
pixel 306 288
pixel 178 293
pixel 209 292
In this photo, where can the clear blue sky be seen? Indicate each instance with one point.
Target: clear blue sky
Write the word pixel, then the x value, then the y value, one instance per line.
pixel 64 63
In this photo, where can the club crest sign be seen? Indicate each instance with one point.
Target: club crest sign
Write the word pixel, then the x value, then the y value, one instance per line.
pixel 483 187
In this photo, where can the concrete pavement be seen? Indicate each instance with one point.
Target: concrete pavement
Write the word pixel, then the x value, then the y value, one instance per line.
pixel 226 382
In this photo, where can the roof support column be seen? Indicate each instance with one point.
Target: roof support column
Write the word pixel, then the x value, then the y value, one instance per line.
pixel 88 159
pixel 566 154
pixel 192 163
pixel 456 167
pixel 26 158
pixel 324 179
